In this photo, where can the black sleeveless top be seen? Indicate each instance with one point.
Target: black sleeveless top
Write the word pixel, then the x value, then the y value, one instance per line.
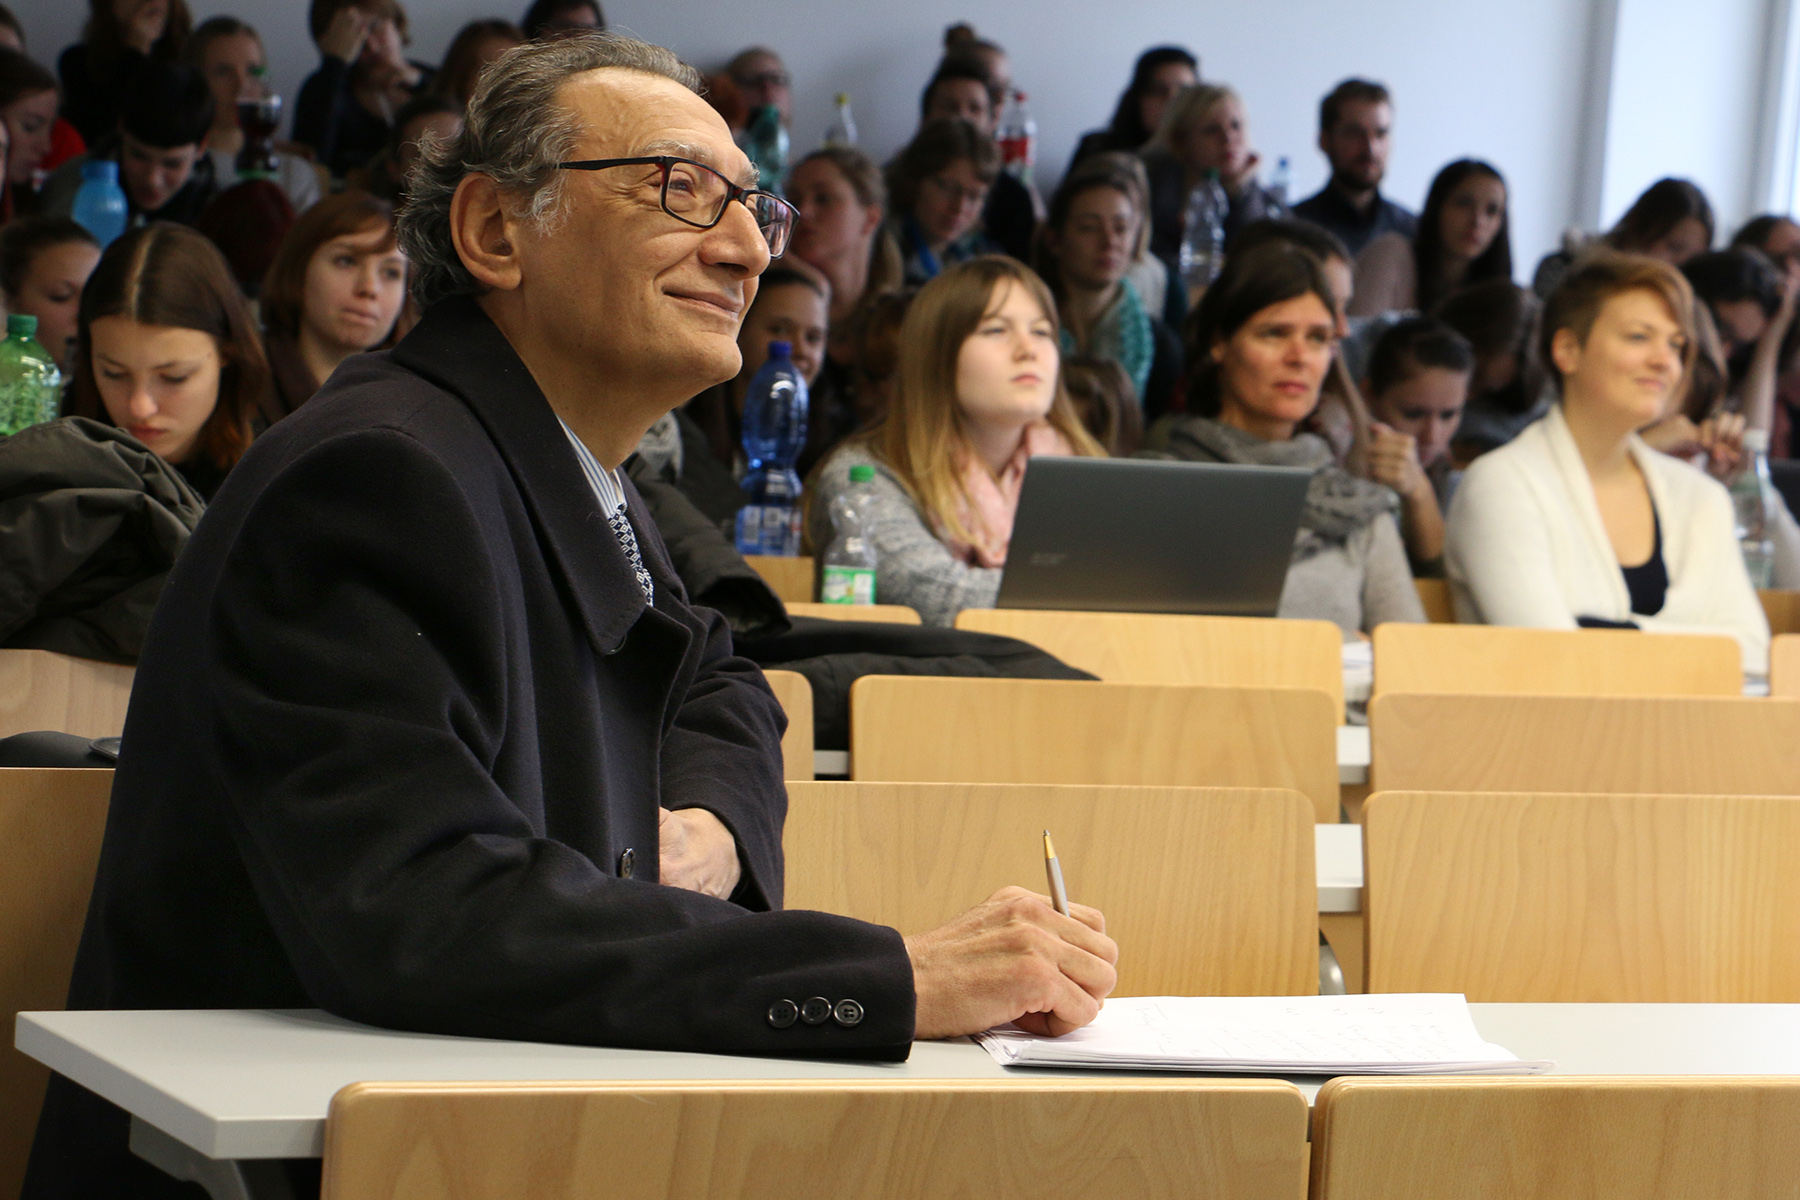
pixel 1648 582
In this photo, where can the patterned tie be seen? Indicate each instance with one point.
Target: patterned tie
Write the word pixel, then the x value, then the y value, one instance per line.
pixel 621 527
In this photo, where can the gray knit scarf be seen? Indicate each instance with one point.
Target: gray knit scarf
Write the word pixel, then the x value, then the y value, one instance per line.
pixel 1337 502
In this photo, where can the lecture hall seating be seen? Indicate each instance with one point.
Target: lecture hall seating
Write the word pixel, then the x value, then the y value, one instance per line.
pixel 1784 665
pixel 1583 898
pixel 1553 662
pixel 1212 889
pixel 890 614
pixel 40 689
pixel 927 729
pixel 794 692
pixel 791 579
pixel 1025 1138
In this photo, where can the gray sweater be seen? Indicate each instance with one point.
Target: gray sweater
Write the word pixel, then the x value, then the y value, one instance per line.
pixel 913 566
pixel 1357 583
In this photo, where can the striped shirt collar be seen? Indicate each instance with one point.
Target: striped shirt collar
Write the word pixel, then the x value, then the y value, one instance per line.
pixel 604 482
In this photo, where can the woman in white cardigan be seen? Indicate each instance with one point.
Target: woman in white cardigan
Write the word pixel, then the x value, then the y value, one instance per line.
pixel 1577 522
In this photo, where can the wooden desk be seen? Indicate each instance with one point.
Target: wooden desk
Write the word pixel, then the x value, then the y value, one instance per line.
pixel 215 1093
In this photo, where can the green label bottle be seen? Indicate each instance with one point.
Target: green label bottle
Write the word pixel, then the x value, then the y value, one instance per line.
pixel 30 384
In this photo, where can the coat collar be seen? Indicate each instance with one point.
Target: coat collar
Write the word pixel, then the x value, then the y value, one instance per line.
pixel 1567 457
pixel 458 347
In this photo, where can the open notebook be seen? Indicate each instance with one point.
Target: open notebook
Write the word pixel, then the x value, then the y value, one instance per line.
pixel 1397 1034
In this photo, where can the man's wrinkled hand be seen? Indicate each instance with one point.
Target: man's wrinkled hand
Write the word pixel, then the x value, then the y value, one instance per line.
pixel 698 853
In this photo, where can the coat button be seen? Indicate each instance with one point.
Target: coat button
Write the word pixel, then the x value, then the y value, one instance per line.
pixel 783 1013
pixel 626 858
pixel 847 1013
pixel 815 1010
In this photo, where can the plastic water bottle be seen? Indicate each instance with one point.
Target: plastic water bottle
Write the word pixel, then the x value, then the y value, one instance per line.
pixel 1017 136
pixel 30 384
pixel 850 559
pixel 100 202
pixel 1752 500
pixel 774 435
pixel 1203 237
pixel 843 125
pixel 1280 181
pixel 766 143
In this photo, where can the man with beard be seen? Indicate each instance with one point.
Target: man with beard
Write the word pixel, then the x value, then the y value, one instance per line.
pixel 1355 127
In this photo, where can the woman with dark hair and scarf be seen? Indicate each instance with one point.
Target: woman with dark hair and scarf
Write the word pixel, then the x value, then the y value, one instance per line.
pixel 1463 238
pixel 1260 347
pixel 1161 72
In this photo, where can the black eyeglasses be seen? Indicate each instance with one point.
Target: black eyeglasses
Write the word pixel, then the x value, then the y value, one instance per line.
pixel 697 195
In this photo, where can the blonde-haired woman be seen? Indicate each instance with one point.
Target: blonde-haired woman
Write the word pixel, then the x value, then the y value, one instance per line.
pixel 979 393
pixel 1205 128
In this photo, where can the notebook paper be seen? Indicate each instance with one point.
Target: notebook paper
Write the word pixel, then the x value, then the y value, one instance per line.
pixel 1400 1034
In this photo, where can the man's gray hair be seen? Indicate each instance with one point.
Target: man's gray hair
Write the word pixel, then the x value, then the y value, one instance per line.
pixel 515 132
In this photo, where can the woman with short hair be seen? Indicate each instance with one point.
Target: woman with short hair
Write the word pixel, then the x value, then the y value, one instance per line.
pixel 937 186
pixel 1576 522
pixel 979 393
pixel 166 350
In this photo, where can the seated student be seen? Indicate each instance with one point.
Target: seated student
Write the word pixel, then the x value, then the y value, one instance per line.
pixel 1776 236
pixel 1671 221
pixel 1506 392
pixel 1097 227
pixel 961 41
pixel 336 288
pixel 160 147
pixel 937 186
pixel 979 392
pixel 1417 384
pixel 166 350
pixel 554 18
pixel 1462 239
pixel 839 233
pixel 1105 402
pixel 1258 352
pixel 963 87
pixel 1576 522
pixel 230 54
pixel 118 37
pixel 345 107
pixel 1205 129
pixel 429 114
pixel 65 142
pixel 876 375
pixel 475 46
pixel 1160 73
pixel 790 306
pixel 44 263
pixel 1356 120
pixel 27 120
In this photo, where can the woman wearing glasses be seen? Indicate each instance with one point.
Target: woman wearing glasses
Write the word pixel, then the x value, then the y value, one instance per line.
pixel 936 189
pixel 980 392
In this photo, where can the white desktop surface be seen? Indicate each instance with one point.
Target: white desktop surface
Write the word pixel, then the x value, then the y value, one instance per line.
pixel 1338 862
pixel 256 1083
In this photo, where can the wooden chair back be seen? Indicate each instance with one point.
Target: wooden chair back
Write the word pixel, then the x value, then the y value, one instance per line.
pixel 51 822
pixel 40 689
pixel 1692 745
pixel 1784 665
pixel 1554 662
pixel 887 614
pixel 1032 1138
pixel 1434 596
pixel 1213 889
pixel 933 729
pixel 1782 608
pixel 794 691
pixel 1171 648
pixel 792 579
pixel 1583 898
pixel 1563 1137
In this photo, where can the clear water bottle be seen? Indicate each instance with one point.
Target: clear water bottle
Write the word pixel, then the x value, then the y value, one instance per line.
pixel 774 434
pixel 766 143
pixel 849 576
pixel 1017 136
pixel 100 202
pixel 30 384
pixel 843 125
pixel 1203 236
pixel 1280 181
pixel 1752 500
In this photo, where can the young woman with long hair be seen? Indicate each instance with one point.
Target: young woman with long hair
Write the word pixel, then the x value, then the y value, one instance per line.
pixel 979 393
pixel 1463 239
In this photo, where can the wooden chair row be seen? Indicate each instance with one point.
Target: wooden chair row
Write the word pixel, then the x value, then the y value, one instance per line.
pixel 1044 1138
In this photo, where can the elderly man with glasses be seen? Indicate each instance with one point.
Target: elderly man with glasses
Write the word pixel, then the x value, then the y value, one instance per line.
pixel 426 732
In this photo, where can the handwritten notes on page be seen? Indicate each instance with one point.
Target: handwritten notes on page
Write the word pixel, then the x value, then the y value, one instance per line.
pixel 1399 1034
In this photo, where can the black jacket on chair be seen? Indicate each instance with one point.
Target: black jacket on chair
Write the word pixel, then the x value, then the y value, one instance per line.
pixel 402 723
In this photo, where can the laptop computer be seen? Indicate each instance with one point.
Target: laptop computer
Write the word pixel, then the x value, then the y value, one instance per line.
pixel 1141 535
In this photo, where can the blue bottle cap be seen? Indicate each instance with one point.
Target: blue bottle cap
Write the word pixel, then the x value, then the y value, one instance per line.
pixel 781 349
pixel 104 169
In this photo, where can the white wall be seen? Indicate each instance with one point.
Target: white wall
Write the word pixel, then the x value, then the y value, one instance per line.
pixel 1509 83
